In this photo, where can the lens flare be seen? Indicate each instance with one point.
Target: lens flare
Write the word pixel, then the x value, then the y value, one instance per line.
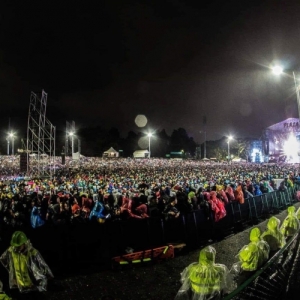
pixel 141 120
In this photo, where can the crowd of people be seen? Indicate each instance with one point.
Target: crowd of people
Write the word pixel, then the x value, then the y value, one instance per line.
pixel 95 189
pixel 108 190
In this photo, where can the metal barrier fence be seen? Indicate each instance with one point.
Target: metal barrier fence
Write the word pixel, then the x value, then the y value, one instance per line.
pixel 97 243
pixel 272 281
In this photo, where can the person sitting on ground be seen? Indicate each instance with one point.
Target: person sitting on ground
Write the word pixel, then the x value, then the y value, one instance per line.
pixel 273 236
pixel 204 279
pixel 27 269
pixel 290 225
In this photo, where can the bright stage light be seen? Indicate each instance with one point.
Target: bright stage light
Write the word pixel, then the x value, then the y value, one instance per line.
pixel 290 149
pixel 256 155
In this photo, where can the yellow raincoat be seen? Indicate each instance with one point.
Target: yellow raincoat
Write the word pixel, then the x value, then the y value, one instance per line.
pixel 204 279
pixel 253 255
pixel 27 269
pixel 298 213
pixel 273 236
pixel 290 224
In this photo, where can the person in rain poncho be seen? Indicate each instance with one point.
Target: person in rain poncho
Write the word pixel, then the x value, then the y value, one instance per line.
pixel 204 280
pixel 290 225
pixel 298 213
pixel 97 212
pixel 27 269
pixel 253 255
pixel 35 217
pixel 273 236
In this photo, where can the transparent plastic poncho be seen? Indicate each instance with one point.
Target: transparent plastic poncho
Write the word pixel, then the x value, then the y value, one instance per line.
pixel 298 213
pixel 290 224
pixel 253 255
pixel 204 280
pixel 27 269
pixel 273 236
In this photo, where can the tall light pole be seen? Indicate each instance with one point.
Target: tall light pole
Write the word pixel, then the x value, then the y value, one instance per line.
pixel 71 134
pixel 7 144
pixel 229 139
pixel 149 136
pixel 12 136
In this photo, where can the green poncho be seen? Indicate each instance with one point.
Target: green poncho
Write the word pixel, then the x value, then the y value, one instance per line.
pixel 273 236
pixel 253 255
pixel 205 279
pixel 290 224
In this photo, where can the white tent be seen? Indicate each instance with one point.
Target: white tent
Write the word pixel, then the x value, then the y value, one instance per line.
pixel 111 152
pixel 141 153
pixel 75 156
pixel 238 159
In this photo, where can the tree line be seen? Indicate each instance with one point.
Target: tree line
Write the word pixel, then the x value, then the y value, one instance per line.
pixel 96 140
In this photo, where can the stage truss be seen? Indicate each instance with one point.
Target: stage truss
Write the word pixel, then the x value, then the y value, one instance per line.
pixel 40 138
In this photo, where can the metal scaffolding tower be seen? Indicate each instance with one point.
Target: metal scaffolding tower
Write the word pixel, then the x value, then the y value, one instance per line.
pixel 40 138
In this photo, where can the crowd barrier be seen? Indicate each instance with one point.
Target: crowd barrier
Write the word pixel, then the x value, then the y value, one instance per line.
pixel 98 243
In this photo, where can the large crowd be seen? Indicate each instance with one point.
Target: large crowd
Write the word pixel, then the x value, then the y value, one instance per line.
pixel 97 189
pixel 109 190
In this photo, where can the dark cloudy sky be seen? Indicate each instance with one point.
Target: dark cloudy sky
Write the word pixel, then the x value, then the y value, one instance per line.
pixel 173 61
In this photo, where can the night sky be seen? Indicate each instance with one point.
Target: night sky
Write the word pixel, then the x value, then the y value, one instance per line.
pixel 172 61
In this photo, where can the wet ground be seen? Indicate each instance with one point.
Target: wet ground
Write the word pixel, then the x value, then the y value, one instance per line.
pixel 143 282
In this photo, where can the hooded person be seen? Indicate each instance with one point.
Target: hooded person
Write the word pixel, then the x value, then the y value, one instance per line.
pixel 229 193
pixel 238 194
pixel 290 224
pixel 217 206
pixel 35 217
pixel 273 236
pixel 27 269
pixel 206 279
pixel 98 212
pixel 264 248
pixel 253 255
pixel 257 190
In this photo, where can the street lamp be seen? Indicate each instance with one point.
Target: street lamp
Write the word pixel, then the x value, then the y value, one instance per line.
pixel 149 136
pixel 229 139
pixel 11 136
pixel 7 145
pixel 71 134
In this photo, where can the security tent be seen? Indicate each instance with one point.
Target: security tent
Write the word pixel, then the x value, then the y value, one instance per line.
pixel 141 154
pixel 111 152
